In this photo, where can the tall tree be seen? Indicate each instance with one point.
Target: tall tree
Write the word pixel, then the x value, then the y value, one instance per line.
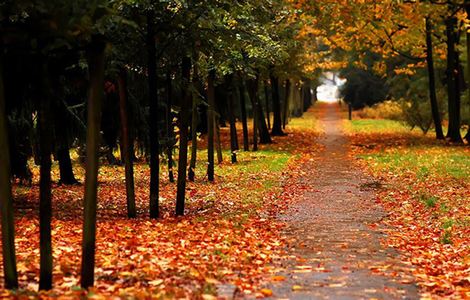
pixel 45 194
pixel 453 132
pixel 183 124
pixel 242 97
pixel 96 57
pixel 211 124
pixel 231 112
pixel 126 142
pixel 153 116
pixel 6 199
pixel 277 120
pixel 432 82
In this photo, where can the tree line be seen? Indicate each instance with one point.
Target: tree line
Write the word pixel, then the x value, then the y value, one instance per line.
pixel 145 77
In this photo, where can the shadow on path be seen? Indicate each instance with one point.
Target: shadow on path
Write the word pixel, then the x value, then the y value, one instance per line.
pixel 334 240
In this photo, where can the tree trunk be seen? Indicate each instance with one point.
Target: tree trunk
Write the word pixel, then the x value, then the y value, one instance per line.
pixel 277 121
pixel 153 116
pixel 231 113
pixel 220 159
pixel 211 125
pixel 285 112
pixel 194 120
pixel 183 147
pixel 63 152
pixel 95 98
pixel 6 199
pixel 45 194
pixel 266 99
pixel 126 143
pixel 432 83
pixel 253 92
pixel 169 127
pixel 246 143
pixel 453 132
pixel 467 7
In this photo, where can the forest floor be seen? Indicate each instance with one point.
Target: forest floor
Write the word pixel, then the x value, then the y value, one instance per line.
pixel 338 209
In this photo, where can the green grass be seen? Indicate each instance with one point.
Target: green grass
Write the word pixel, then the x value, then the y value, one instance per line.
pixel 424 161
pixel 374 126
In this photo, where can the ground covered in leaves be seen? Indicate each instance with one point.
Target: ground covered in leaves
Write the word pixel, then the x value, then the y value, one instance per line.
pixel 228 236
pixel 426 186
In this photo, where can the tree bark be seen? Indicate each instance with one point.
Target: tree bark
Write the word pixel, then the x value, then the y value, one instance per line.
pixel 220 159
pixel 467 8
pixel 246 144
pixel 231 113
pixel 266 99
pixel 153 116
pixel 6 199
pixel 169 127
pixel 62 145
pixel 45 194
pixel 211 125
pixel 432 82
pixel 183 147
pixel 95 99
pixel 285 112
pixel 126 142
pixel 453 133
pixel 194 120
pixel 277 121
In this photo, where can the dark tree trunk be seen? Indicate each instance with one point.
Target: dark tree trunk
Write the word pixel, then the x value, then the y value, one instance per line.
pixel 453 132
pixel 45 194
pixel 220 159
pixel 211 125
pixel 169 127
pixel 246 143
pixel 6 199
pixel 95 99
pixel 432 83
pixel 194 120
pixel 285 112
pixel 266 99
pixel 65 166
pixel 126 143
pixel 183 147
pixel 350 109
pixel 277 121
pixel 231 113
pixel 264 136
pixel 153 116
pixel 467 7
pixel 63 153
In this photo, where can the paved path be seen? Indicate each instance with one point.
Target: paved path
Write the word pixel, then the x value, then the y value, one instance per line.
pixel 335 250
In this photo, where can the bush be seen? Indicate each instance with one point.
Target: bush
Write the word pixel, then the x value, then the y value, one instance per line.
pixel 390 110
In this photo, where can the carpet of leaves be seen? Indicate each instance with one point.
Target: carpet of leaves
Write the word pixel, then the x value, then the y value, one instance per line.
pixel 426 191
pixel 228 236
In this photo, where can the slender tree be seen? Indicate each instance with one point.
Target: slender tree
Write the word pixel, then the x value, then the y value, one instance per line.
pixel 126 143
pixel 45 194
pixel 285 112
pixel 169 126
pixel 96 72
pixel 453 132
pixel 432 82
pixel 6 199
pixel 183 147
pixel 231 112
pixel 266 99
pixel 153 116
pixel 277 121
pixel 211 124
pixel 242 97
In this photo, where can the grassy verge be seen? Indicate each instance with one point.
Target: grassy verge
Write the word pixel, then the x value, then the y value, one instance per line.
pixel 427 195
